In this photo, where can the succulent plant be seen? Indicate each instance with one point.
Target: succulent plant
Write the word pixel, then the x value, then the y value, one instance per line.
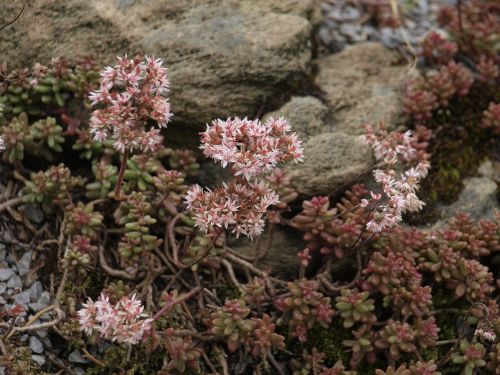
pixel 355 306
pixel 82 219
pixel 134 215
pixel 361 346
pixel 184 161
pixel 105 175
pixel 397 337
pixel 264 337
pixel 424 368
pixel 471 355
pixel 414 300
pixel 52 187
pixel 231 322
pixel 494 360
pixel 16 136
pixel 401 370
pixel 46 132
pixel 79 254
pixel 182 352
pixel 304 306
pixel 140 171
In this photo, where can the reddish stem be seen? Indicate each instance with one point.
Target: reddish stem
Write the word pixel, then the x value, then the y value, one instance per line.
pixel 171 304
pixel 121 174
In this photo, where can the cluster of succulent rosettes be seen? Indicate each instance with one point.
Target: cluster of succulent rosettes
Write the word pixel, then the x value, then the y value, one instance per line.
pixel 304 306
pixel 131 93
pixel 134 214
pixel 52 187
pixel 140 171
pixel 311 362
pixel 115 291
pixel 466 277
pixel 256 334
pixel 361 346
pixel 170 189
pixel 491 118
pixel 105 176
pixel 82 219
pixel 437 48
pixel 355 306
pixel 38 90
pixel 424 368
pixel 396 337
pixel 333 230
pixel 472 356
pixel 434 89
pixel 41 138
pixel 79 254
pixel 411 300
pixel 390 271
pixel 474 26
pixel 254 292
pixel 182 353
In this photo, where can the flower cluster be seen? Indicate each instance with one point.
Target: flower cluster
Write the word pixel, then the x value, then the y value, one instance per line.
pixel 130 93
pixel 252 149
pixel 125 322
pixel 398 193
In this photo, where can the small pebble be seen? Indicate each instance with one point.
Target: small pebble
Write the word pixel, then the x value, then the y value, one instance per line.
pixel 3 288
pixel 15 282
pixel 22 298
pixel 76 357
pixel 35 291
pixel 38 359
pixel 42 302
pixel 24 263
pixel 5 274
pixel 36 345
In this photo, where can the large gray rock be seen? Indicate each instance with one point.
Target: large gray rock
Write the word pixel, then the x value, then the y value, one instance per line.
pixel 306 114
pixel 362 85
pixel 331 160
pixel 224 56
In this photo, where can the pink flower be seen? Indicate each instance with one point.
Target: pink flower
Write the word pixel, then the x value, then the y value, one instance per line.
pixel 124 322
pixel 130 94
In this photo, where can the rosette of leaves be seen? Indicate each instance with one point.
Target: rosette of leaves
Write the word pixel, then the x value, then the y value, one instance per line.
pixel 47 133
pixel 264 337
pixel 182 353
pixel 140 171
pixel 170 189
pixel 105 176
pixel 254 292
pixel 231 322
pixel 426 332
pixel 134 214
pixel 412 300
pixel 184 161
pixel 311 363
pixel 116 290
pixel 361 346
pixel 337 369
pixel 17 137
pixel 304 306
pixel 424 368
pixel 201 245
pixel 397 337
pixel 355 306
pixel 83 78
pixel 82 219
pixel 51 187
pixel 78 256
pixel 471 356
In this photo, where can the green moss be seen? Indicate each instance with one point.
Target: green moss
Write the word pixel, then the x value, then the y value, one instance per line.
pixel 458 146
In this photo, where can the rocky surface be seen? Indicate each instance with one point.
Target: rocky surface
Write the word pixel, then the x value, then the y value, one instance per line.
pixel 19 288
pixel 346 22
pixel 224 56
pixel 479 198
pixel 361 85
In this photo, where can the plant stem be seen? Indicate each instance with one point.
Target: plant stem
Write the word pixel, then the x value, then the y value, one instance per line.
pixel 11 203
pixel 121 174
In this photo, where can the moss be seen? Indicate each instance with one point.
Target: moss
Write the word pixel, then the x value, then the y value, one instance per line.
pixel 457 148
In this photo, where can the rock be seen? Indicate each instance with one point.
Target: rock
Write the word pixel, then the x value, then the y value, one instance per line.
pixel 224 56
pixel 33 213
pixel 5 274
pixel 281 258
pixel 35 291
pixel 42 302
pixel 3 252
pixel 306 114
pixel 15 282
pixel 36 345
pixel 24 263
pixel 22 298
pixel 76 357
pixel 362 86
pixel 478 199
pixel 330 161
pixel 3 288
pixel 39 359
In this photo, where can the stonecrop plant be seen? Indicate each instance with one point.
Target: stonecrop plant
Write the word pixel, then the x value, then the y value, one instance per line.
pixel 151 273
